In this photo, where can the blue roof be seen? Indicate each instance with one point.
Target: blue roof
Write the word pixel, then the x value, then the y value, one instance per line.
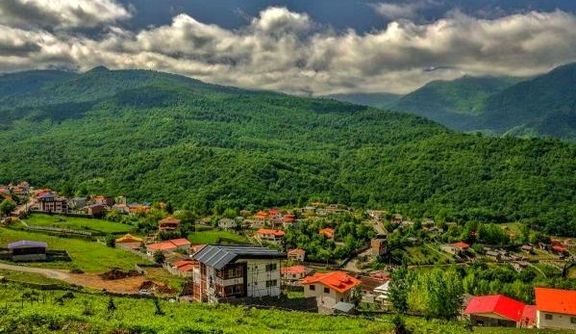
pixel 27 244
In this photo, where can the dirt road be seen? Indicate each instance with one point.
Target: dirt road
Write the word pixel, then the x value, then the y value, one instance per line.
pixel 50 273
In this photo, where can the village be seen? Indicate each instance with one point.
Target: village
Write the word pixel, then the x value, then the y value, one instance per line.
pixel 325 258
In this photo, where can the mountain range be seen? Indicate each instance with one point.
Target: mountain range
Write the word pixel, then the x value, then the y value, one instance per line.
pixel 543 106
pixel 155 136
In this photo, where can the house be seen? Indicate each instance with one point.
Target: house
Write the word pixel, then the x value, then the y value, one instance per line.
pixel 329 288
pixel 294 273
pixel 25 250
pixel 381 293
pixel 457 248
pixel 379 245
pixel 50 203
pixel 168 224
pixel 261 215
pixel 227 224
pixel 327 232
pixel 135 208
pixel 555 308
pixel 96 210
pixel 527 248
pixel 129 241
pixel 77 203
pixel 499 311
pixel 296 254
pixel 270 235
pixel 234 271
pixel 183 268
pixel 558 247
pixel 288 219
pixel 168 246
pixel 103 200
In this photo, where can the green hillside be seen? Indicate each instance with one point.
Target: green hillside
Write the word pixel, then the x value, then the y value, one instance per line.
pixel 154 136
pixel 456 103
pixel 378 100
pixel 544 106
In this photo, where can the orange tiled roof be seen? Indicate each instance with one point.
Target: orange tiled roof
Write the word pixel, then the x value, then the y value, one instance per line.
pixel 336 280
pixel 461 245
pixel 276 233
pixel 170 220
pixel 161 246
pixel 556 301
pixel 296 251
pixel 293 270
pixel 289 218
pixel 328 232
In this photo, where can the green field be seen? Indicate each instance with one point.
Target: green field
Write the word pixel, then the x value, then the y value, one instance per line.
pixel 28 277
pixel 88 313
pixel 86 255
pixel 77 223
pixel 215 237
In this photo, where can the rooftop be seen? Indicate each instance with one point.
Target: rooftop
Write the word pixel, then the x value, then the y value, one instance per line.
pixel 556 300
pixel 336 280
pixel 218 256
pixel 27 244
pixel 496 304
pixel 276 233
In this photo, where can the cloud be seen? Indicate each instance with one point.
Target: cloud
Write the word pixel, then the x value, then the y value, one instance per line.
pixel 398 11
pixel 61 13
pixel 286 51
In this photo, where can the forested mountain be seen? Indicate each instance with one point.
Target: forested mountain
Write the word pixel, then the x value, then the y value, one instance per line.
pixel 544 106
pixel 457 103
pixel 378 100
pixel 156 136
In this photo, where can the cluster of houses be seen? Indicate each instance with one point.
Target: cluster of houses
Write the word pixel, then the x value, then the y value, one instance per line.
pixel 554 309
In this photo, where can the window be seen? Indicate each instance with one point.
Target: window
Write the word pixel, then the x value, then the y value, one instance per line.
pixel 573 320
pixel 548 316
pixel 326 290
pixel 312 287
pixel 271 283
pixel 271 267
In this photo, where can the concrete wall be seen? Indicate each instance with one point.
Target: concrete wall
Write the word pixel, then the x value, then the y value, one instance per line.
pixel 257 276
pixel 325 299
pixel 558 321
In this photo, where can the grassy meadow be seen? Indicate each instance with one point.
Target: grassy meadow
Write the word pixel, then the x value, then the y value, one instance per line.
pixel 78 223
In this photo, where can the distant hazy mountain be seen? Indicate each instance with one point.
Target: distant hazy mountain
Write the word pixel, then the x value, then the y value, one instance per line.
pixel 536 107
pixel 379 100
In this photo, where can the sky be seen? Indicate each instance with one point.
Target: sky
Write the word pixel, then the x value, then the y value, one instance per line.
pixel 311 47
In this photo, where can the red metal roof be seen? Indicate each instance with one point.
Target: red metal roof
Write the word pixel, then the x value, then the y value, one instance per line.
pixel 496 304
pixel 336 280
pixel 556 300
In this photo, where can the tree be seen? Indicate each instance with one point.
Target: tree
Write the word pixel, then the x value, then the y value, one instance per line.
pixel 400 283
pixel 443 293
pixel 159 257
pixel 110 241
pixel 7 206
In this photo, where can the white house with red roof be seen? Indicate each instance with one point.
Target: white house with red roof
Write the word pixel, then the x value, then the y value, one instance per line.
pixel 555 308
pixel 330 288
pixel 169 246
pixel 270 235
pixel 296 254
pixel 499 311
pixel 294 273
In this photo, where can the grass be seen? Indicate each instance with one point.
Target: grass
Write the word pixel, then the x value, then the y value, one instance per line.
pixel 88 313
pixel 163 276
pixel 28 277
pixel 78 223
pixel 86 255
pixel 216 237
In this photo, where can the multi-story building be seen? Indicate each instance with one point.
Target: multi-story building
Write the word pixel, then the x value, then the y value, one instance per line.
pixel 49 202
pixel 234 271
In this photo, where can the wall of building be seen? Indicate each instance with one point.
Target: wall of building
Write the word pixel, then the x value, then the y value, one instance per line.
pixel 558 321
pixel 257 276
pixel 325 299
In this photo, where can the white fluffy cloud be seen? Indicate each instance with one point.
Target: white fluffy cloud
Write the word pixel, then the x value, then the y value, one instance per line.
pixel 398 11
pixel 287 51
pixel 61 13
